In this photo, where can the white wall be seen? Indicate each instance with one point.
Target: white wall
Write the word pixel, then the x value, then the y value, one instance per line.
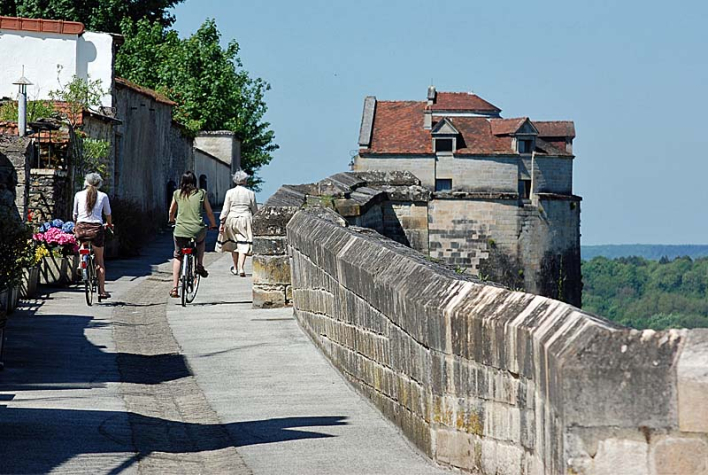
pixel 40 53
pixel 218 175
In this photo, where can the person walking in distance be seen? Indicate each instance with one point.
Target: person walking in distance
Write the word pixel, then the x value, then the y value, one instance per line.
pixel 188 205
pixel 90 205
pixel 235 233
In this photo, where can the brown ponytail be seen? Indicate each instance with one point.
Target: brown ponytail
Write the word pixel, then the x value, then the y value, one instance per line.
pixel 91 197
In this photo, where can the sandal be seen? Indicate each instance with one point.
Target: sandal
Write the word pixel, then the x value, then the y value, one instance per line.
pixel 242 274
pixel 104 296
pixel 174 293
pixel 201 271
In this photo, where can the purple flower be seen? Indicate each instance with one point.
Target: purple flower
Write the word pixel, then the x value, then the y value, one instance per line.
pixel 57 223
pixel 44 227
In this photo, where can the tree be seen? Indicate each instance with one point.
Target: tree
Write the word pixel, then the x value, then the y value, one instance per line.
pixel 87 155
pixel 208 82
pixel 97 15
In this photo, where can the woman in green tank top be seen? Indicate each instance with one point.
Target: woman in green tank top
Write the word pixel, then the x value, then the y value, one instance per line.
pixel 188 205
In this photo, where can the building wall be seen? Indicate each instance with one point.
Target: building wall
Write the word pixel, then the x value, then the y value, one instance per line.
pixel 41 53
pixel 221 144
pixel 218 176
pixel 151 150
pixel 461 232
pixel 551 174
pixel 536 248
pixel 472 174
pixel 480 174
pixel 549 245
pixel 422 168
pixel 407 222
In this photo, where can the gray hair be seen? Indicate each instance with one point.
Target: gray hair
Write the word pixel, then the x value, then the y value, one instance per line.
pixel 93 179
pixel 241 177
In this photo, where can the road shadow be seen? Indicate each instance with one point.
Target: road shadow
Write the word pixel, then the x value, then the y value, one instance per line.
pixel 52 352
pixel 39 440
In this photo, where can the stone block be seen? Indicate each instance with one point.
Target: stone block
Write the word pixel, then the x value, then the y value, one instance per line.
pixel 270 297
pixel 620 456
pixel 674 456
pixel 271 270
pixel 270 245
pixel 272 221
pixel 456 449
pixel 692 371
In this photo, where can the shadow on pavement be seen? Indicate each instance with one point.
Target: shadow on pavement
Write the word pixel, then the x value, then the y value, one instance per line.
pixel 39 440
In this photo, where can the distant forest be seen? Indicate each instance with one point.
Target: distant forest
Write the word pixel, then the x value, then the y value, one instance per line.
pixel 643 293
pixel 647 251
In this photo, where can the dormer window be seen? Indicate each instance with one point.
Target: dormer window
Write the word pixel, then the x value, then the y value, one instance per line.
pixel 524 145
pixel 444 136
pixel 443 145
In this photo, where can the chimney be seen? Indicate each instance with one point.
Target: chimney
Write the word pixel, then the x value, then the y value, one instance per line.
pixel 428 118
pixel 432 95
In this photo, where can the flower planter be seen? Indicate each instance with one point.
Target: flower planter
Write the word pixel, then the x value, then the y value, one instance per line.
pixel 58 270
pixel 13 299
pixel 30 279
pixel 4 300
pixel 3 322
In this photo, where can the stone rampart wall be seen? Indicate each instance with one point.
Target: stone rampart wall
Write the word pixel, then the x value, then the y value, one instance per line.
pixel 494 381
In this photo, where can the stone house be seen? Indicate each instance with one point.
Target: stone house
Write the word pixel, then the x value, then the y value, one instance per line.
pixel 502 202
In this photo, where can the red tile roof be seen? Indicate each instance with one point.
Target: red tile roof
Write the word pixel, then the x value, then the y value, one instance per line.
pixel 8 128
pixel 154 95
pixel 558 128
pixel 41 26
pixel 462 101
pixel 398 130
pixel 506 126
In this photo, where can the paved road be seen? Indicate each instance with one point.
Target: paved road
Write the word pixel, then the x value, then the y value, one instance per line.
pixel 142 385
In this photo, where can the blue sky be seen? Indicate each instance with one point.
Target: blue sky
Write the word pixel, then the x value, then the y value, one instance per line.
pixel 632 75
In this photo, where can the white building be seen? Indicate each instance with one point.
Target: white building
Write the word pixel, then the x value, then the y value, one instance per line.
pixel 52 52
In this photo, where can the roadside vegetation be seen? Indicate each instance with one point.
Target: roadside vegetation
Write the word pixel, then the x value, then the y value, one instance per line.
pixel 642 293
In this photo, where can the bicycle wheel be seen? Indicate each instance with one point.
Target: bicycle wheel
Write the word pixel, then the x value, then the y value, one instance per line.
pixel 193 282
pixel 185 278
pixel 89 287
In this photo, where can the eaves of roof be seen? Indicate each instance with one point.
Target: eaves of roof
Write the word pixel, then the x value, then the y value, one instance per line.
pixel 38 25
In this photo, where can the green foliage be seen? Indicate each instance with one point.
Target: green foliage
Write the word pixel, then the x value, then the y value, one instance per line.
pixel 95 155
pixel 35 110
pixel 647 251
pixel 87 154
pixel 208 82
pixel 14 246
pixel 97 15
pixel 648 294
pixel 79 94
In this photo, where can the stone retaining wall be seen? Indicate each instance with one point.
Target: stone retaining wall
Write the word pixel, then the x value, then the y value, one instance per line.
pixel 50 195
pixel 494 381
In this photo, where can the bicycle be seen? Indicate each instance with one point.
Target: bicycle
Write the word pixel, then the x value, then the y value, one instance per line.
pixel 88 272
pixel 189 279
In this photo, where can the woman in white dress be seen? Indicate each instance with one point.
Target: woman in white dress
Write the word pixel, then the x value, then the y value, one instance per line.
pixel 235 233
